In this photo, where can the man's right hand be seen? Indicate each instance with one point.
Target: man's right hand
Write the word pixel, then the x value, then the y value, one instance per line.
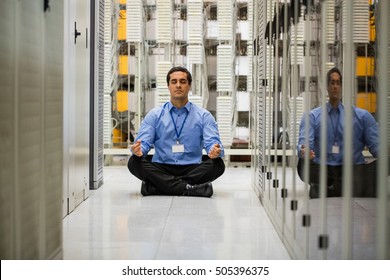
pixel 303 151
pixel 136 149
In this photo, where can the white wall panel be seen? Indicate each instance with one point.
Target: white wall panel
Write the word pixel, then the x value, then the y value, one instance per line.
pixel 297 55
pixel 196 99
pixel 212 29
pixel 151 30
pixel 225 69
pixel 180 29
pixel 294 123
pixel 268 132
pixel 195 21
pixel 107 120
pixel 108 15
pixel 242 65
pixel 195 49
pixel 224 119
pixel 134 21
pixel 360 28
pixel 162 95
pixel 226 18
pixel 244 29
pixel 330 22
pixel 250 21
pixel 164 21
pixel 195 54
pixel 243 101
pixel 162 69
pixel 269 68
pixel 249 81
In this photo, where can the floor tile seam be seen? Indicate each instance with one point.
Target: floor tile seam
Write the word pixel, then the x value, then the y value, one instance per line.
pixel 364 208
pixel 163 229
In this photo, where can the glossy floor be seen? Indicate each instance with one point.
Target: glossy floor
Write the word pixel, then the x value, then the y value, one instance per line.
pixel 117 223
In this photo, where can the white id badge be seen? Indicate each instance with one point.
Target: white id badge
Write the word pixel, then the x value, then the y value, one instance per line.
pixel 335 149
pixel 178 148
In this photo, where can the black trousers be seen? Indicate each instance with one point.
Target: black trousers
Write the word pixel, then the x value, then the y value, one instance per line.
pixel 173 179
pixel 364 178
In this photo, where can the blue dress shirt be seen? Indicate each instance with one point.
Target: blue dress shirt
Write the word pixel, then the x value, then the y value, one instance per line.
pixel 365 133
pixel 196 131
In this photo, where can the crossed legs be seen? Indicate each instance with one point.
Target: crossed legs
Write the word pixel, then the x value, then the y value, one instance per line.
pixel 172 179
pixel 364 179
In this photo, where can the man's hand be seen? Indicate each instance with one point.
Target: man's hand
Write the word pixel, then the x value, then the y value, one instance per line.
pixel 303 151
pixel 136 149
pixel 215 151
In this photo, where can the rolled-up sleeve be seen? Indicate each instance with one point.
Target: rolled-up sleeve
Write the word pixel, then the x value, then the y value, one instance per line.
pixel 371 135
pixel 147 133
pixel 211 134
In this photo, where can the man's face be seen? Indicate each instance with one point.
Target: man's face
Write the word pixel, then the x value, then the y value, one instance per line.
pixel 334 87
pixel 179 86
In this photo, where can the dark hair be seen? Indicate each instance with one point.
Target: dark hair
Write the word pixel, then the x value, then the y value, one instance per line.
pixel 179 69
pixel 330 72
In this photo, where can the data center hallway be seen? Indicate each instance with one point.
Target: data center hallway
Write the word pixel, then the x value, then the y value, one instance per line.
pixel 117 223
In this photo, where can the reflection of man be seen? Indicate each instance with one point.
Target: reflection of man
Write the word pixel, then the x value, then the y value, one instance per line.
pixel 365 134
pixel 178 130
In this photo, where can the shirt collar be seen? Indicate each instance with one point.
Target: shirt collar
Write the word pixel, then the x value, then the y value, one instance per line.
pixel 329 107
pixel 187 106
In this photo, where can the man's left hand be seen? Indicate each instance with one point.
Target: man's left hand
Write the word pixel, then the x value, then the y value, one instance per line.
pixel 215 151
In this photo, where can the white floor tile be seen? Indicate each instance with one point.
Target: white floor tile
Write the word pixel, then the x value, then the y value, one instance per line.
pixel 116 222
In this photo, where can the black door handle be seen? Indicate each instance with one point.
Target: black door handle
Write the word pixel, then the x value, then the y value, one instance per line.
pixel 76 33
pixel 46 5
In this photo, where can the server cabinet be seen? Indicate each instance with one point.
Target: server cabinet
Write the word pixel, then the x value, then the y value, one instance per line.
pixel 96 94
pixel 76 103
pixel 332 34
pixel 31 86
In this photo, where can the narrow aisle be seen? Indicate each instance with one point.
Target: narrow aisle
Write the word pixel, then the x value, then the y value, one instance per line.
pixel 117 223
